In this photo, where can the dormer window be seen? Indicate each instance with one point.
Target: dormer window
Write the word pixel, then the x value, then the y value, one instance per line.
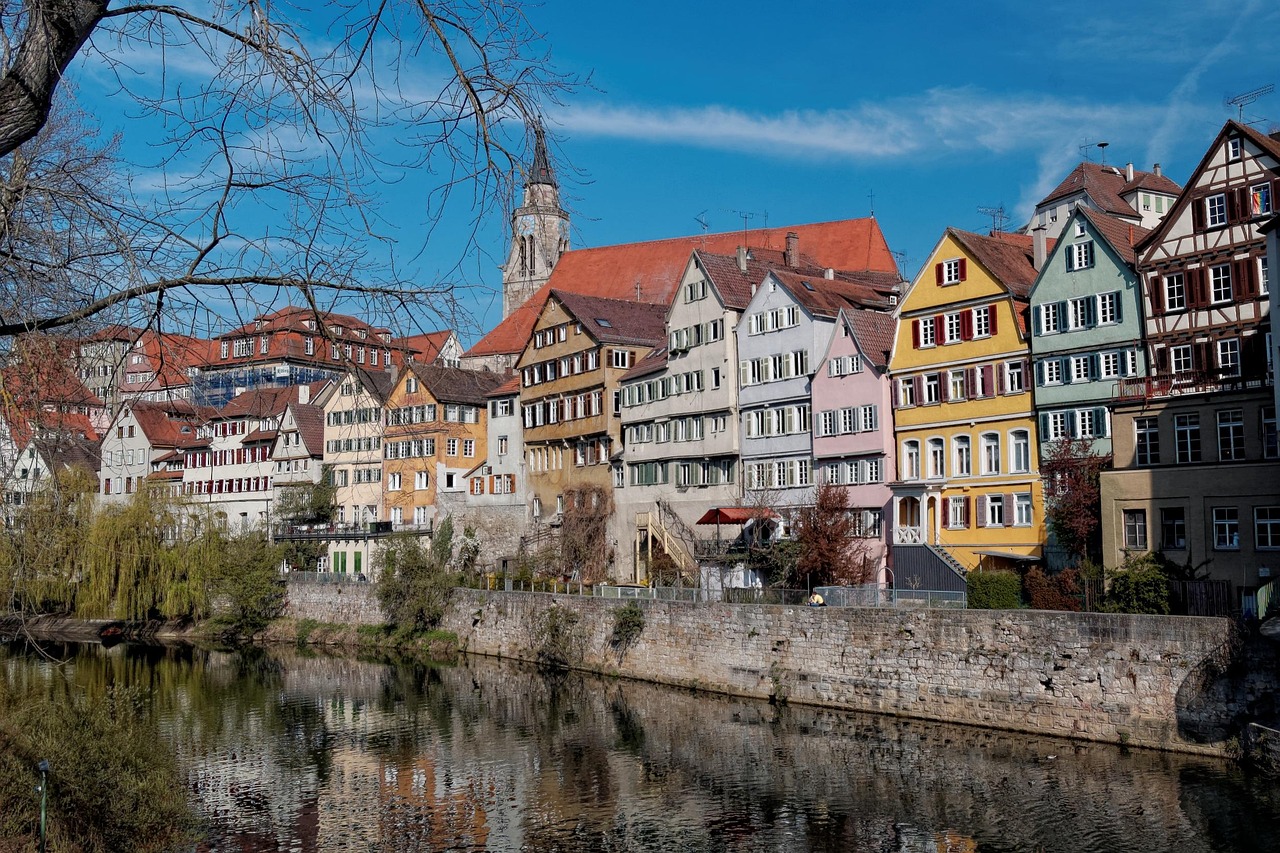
pixel 1233 149
pixel 1079 229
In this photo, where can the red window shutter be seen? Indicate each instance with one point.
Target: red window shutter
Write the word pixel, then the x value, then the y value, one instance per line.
pixel 1245 281
pixel 982 511
pixel 964 269
pixel 1233 205
pixel 1197 280
pixel 966 325
pixel 999 374
pixel 964 512
pixel 937 273
pixel 1197 214
pixel 1202 355
pixel 991 317
pixel 915 334
pixel 988 381
pixel 1162 359
pixel 969 383
pixel 918 381
pixel 939 323
pixel 1155 290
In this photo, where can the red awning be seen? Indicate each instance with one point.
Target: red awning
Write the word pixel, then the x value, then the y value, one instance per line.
pixel 736 515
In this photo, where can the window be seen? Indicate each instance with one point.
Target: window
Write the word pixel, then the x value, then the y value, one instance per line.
pixel 1173 528
pixel 952 271
pixel 1056 426
pixel 620 358
pixel 957 512
pixel 1215 210
pixel 1019 451
pixel 1014 382
pixel 1108 365
pixel 1080 368
pixel 962 453
pixel 1233 149
pixel 932 389
pixel 1108 308
pixel 911 460
pixel 1175 292
pixel 1266 527
pixel 995 510
pixel 1146 441
pixel 1264 278
pixel 955 385
pixel 990 453
pixel 1260 199
pixel 1086 427
pixel 952 332
pixel 1226 528
pixel 982 322
pixel 928 331
pixel 1022 510
pixel 1270 450
pixel 451 447
pixel 1180 358
pixel 1231 435
pixel 869 418
pixel 1220 282
pixel 393 482
pixel 503 444
pixel 1135 529
pixel 937 458
pixel 1186 434
pixel 469 447
pixel 1080 256
pixel 1051 371
pixel 906 392
pixel 1229 357
pixel 1049 320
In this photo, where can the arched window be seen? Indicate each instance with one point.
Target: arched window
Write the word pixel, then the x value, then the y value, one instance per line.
pixel 990 453
pixel 962 453
pixel 937 458
pixel 911 460
pixel 1019 451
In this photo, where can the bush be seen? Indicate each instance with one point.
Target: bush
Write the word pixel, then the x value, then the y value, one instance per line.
pixel 414 581
pixel 559 638
pixel 994 591
pixel 248 579
pixel 1140 585
pixel 628 624
pixel 1052 592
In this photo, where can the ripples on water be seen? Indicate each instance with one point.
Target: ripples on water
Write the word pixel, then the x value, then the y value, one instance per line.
pixel 292 752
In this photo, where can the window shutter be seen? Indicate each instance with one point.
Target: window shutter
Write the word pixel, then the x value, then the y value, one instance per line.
pixel 966 325
pixel 944 388
pixel 991 317
pixel 1070 255
pixel 1202 355
pixel 937 273
pixel 915 334
pixel 1197 214
pixel 1198 279
pixel 982 511
pixel 1245 280
pixel 964 269
pixel 1233 205
pixel 938 325
pixel 1162 360
pixel 1119 303
pixel 1009 517
pixel 999 373
pixel 1037 322
pixel 1155 290
pixel 968 384
pixel 988 380
pixel 1091 312
pixel 964 513
pixel 1044 426
pixel 1101 426
pixel 918 381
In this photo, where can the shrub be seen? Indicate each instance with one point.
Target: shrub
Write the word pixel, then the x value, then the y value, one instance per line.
pixel 628 623
pixel 1060 591
pixel 1140 585
pixel 994 591
pixel 558 638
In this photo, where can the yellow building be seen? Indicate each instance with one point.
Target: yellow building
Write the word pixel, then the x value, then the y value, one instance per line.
pixel 968 493
pixel 435 432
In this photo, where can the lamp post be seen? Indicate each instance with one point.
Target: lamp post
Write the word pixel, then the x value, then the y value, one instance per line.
pixel 43 767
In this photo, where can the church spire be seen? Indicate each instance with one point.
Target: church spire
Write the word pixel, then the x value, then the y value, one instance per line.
pixel 541 172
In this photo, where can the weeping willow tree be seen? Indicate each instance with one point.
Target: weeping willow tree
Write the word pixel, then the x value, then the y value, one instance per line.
pixel 41 557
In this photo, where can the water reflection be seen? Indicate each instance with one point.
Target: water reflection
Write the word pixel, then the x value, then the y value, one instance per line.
pixel 293 751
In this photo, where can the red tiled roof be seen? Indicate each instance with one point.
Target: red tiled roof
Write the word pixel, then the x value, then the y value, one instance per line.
pixel 874 332
pixel 1008 257
pixel 310 420
pixel 616 321
pixel 163 422
pixel 1106 184
pixel 827 297
pixel 508 388
pixel 294 318
pixel 655 361
pixel 259 403
pixel 651 271
pixel 1123 236
pixel 424 348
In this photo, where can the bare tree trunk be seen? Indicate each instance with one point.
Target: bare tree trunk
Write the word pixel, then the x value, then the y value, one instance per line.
pixel 54 32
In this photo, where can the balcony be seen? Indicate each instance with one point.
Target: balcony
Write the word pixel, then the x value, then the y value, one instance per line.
pixel 1189 383
pixel 907 535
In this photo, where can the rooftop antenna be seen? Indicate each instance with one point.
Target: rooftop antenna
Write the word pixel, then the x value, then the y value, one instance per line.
pixel 1244 99
pixel 701 219
pixel 998 216
pixel 1089 145
pixel 901 257
pixel 871 196
pixel 1102 152
pixel 747 216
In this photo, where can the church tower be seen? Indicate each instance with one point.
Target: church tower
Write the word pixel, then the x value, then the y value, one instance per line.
pixel 539 232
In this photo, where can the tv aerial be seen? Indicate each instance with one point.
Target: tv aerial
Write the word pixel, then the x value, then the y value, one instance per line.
pixel 1245 98
pixel 1089 145
pixel 999 216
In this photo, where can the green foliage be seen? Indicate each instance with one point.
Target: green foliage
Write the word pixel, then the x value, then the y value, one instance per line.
pixel 1140 585
pixel 305 627
pixel 628 624
pixel 779 562
pixel 41 558
pixel 110 786
pixel 414 581
pixel 1060 591
pixel 994 591
pixel 468 551
pixel 247 581
pixel 559 638
pixel 307 503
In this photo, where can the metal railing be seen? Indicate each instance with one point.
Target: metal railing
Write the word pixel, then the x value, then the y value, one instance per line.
pixel 873 595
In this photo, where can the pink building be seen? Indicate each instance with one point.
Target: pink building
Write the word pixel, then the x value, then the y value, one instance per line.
pixel 853 444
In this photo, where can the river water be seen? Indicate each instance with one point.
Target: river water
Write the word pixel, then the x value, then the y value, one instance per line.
pixel 289 750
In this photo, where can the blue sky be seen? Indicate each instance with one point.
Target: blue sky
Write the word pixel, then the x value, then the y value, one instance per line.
pixel 798 112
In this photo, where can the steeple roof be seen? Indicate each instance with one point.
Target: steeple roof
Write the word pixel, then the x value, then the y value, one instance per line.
pixel 541 173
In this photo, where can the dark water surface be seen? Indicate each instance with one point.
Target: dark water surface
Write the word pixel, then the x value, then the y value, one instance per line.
pixel 291 751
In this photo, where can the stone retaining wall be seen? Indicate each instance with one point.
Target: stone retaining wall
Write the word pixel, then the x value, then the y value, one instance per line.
pixel 1177 683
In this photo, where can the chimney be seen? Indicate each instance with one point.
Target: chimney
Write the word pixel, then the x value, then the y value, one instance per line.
pixel 1040 245
pixel 304 394
pixel 742 259
pixel 1128 172
pixel 793 249
pixel 1156 169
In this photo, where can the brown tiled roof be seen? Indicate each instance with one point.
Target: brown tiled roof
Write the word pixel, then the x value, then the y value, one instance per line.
pixel 651 271
pixel 874 332
pixel 1269 144
pixel 827 297
pixel 260 435
pixel 163 422
pixel 1123 236
pixel 260 403
pixel 655 361
pixel 616 321
pixel 508 388
pixel 1104 185
pixel 1010 258
pixel 310 420
pixel 457 385
pixel 293 318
